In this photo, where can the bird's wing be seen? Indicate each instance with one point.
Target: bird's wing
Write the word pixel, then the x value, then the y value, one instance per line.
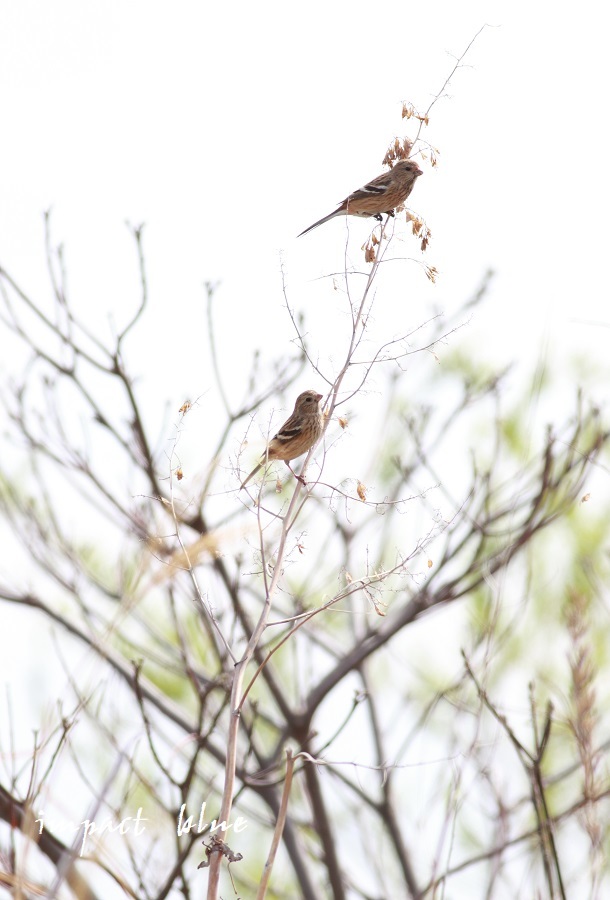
pixel 375 188
pixel 288 431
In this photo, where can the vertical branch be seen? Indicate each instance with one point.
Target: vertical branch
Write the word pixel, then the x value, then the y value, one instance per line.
pixel 240 669
pixel 532 764
pixel 279 827
pixel 236 694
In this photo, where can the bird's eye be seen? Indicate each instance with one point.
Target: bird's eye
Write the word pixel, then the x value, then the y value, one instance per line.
pixel 308 399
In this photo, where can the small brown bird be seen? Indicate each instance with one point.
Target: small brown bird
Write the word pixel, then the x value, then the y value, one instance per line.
pixel 380 196
pixel 297 435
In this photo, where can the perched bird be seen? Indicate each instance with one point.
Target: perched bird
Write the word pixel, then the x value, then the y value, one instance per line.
pixel 297 435
pixel 380 196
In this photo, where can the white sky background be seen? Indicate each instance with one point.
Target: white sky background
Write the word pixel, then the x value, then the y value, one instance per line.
pixel 228 128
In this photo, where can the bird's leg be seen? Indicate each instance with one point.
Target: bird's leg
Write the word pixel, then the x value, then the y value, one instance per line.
pixel 298 477
pixel 379 217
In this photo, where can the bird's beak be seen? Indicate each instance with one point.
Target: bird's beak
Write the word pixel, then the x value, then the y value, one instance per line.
pixel 419 171
pixel 318 397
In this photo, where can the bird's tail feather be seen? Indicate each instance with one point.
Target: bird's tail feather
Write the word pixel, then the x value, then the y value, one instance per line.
pixel 252 473
pixel 337 212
